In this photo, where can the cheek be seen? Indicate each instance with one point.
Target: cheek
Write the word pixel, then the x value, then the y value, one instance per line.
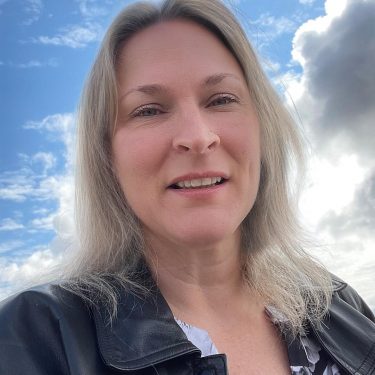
pixel 137 158
pixel 244 142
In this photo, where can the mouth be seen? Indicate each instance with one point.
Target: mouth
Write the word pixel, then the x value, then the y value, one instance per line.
pixel 198 183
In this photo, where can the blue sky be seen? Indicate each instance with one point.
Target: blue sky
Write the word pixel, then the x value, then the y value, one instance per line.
pixel 47 48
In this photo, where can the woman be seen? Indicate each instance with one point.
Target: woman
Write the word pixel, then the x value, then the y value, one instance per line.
pixel 189 244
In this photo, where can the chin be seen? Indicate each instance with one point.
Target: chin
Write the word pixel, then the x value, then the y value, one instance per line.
pixel 209 236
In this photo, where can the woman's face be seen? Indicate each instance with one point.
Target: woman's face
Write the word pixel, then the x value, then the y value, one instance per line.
pixel 186 148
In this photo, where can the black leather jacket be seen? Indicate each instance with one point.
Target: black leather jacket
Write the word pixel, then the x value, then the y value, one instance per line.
pixel 48 331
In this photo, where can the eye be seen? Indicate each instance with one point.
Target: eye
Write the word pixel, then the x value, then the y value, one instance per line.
pixel 146 111
pixel 223 99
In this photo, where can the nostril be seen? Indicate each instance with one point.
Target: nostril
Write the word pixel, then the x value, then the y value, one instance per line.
pixel 183 148
pixel 196 140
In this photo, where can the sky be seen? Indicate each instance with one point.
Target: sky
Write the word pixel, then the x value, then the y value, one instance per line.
pixel 320 56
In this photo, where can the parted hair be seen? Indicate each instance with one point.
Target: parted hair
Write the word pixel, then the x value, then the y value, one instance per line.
pixel 275 262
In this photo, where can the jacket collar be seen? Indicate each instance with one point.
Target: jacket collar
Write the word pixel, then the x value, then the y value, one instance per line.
pixel 345 333
pixel 149 320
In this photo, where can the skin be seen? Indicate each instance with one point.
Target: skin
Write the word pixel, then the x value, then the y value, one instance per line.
pixel 185 109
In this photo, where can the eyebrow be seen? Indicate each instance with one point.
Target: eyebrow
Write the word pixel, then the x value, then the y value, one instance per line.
pixel 215 79
pixel 151 89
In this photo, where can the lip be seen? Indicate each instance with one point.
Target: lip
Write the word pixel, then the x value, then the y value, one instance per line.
pixel 196 175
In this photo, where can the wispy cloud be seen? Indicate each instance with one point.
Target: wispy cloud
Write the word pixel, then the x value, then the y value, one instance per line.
pixel 60 123
pixel 9 246
pixel 52 62
pixel 270 66
pixel 46 160
pixel 1 3
pixel 91 9
pixel 28 184
pixel 17 185
pixel 268 27
pixel 36 64
pixel 33 9
pixel 73 36
pixel 36 180
pixel 60 127
pixel 306 2
pixel 43 223
pixel 9 225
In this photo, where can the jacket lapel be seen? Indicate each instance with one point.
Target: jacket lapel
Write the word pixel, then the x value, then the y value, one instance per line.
pixel 144 333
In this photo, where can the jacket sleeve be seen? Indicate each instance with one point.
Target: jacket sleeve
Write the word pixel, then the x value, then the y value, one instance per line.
pixel 30 337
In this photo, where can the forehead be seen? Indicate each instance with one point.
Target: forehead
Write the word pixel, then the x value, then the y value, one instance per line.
pixel 172 49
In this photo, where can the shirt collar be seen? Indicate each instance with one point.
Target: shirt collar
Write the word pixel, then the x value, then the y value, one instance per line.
pixel 297 352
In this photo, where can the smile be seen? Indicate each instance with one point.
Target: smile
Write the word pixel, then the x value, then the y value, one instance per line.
pixel 197 183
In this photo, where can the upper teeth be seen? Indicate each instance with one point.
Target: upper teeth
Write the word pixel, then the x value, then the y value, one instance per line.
pixel 207 181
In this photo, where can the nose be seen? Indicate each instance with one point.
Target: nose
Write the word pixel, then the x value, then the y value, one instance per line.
pixel 194 133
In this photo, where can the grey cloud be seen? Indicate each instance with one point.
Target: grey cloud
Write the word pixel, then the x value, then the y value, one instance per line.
pixel 340 78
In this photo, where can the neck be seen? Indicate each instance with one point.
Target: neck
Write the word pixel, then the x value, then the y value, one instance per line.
pixel 200 281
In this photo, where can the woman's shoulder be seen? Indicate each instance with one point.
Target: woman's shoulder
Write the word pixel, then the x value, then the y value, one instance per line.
pixel 48 301
pixel 40 312
pixel 347 332
pixel 40 328
pixel 343 292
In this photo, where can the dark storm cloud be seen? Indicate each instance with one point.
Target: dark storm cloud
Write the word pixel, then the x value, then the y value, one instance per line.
pixel 340 77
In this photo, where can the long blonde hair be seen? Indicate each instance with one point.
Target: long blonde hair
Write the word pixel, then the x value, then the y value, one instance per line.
pixel 111 244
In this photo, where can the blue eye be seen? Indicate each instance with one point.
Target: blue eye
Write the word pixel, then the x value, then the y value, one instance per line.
pixel 223 100
pixel 146 111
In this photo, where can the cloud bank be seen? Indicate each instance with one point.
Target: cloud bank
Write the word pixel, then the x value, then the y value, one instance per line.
pixel 335 96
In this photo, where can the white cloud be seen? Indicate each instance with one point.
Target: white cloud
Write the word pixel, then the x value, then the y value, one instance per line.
pixel 16 275
pixel 73 36
pixel 60 123
pixel 322 194
pixel 30 186
pixel 9 224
